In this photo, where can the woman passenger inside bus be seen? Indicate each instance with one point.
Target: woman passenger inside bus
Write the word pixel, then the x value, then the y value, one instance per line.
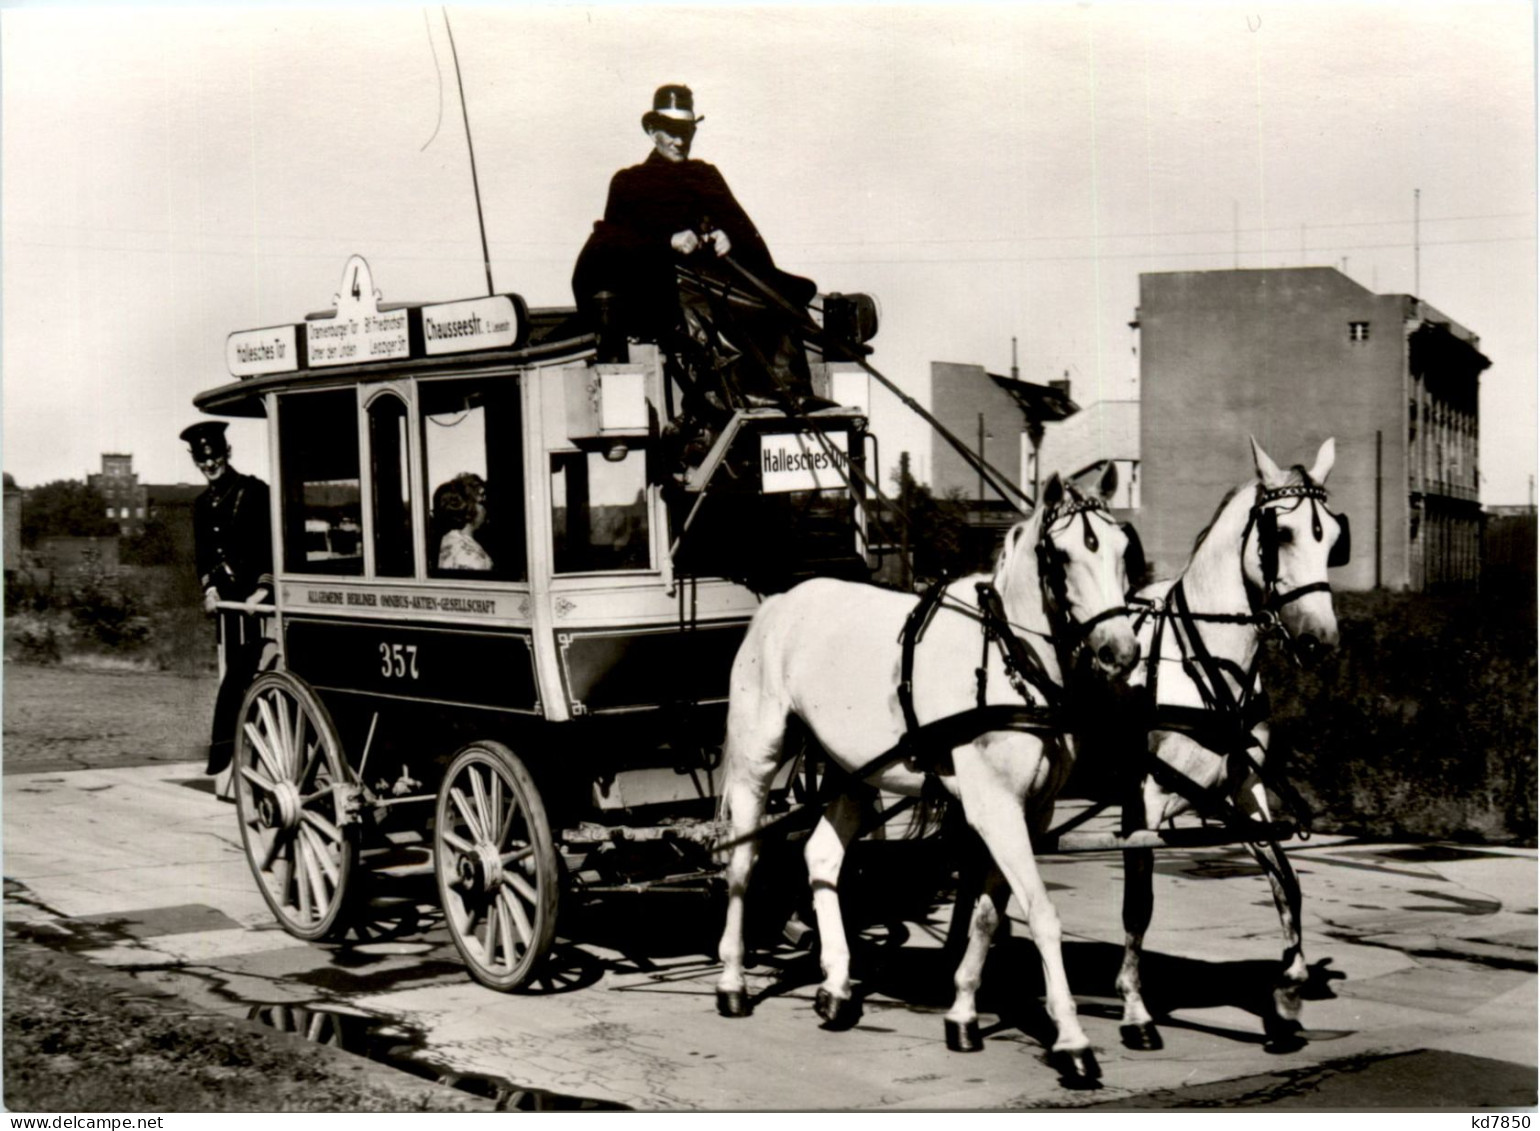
pixel 459 510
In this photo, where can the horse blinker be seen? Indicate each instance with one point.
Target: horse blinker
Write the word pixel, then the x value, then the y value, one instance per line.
pixel 1342 549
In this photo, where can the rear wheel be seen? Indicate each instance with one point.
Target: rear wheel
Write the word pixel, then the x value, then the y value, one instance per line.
pixel 291 791
pixel 496 864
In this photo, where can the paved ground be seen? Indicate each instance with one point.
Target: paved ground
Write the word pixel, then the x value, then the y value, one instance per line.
pixel 1423 984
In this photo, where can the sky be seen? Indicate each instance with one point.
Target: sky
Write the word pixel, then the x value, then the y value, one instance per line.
pixel 169 175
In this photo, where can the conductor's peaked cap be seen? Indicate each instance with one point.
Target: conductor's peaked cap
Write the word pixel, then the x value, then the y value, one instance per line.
pixel 208 436
pixel 671 103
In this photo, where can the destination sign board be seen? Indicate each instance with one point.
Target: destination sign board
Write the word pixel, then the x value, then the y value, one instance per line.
pixel 357 331
pixel 251 353
pixel 471 324
pixel 803 461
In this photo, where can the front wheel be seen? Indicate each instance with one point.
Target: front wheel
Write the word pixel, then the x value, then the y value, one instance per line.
pixel 496 864
pixel 292 791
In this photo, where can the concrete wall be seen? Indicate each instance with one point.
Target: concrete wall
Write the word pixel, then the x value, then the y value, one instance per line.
pixel 958 394
pixel 1227 354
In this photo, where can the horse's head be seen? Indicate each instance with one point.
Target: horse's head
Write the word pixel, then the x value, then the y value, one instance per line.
pixel 1291 540
pixel 1074 552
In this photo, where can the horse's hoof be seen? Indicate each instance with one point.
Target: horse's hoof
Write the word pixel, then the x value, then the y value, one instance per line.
pixel 1283 1035
pixel 732 1003
pixel 1077 1068
pixel 963 1038
pixel 837 1012
pixel 1142 1038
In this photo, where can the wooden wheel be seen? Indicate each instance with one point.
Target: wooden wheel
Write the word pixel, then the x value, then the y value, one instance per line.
pixel 498 873
pixel 291 791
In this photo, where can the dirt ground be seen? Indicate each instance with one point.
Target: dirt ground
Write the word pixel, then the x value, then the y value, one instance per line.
pixel 82 1038
pixel 68 718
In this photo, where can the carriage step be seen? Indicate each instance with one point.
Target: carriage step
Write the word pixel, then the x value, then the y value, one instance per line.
pixel 1206 836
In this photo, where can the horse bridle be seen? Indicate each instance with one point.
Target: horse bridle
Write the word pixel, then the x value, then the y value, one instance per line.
pixel 1050 566
pixel 1265 518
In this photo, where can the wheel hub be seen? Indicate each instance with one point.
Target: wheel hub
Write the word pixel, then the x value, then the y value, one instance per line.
pixel 480 870
pixel 281 808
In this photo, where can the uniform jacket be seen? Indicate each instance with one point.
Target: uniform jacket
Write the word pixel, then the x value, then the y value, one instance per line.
pixel 232 533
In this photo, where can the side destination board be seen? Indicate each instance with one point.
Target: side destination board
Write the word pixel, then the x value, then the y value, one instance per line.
pixel 358 331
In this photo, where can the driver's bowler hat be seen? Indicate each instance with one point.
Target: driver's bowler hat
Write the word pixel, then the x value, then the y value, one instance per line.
pixel 671 105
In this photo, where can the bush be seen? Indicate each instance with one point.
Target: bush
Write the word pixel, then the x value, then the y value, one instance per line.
pixel 149 617
pixel 1423 723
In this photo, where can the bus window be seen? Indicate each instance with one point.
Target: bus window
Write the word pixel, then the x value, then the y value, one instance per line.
pixel 392 487
pixel 318 453
pixel 599 512
pixel 473 464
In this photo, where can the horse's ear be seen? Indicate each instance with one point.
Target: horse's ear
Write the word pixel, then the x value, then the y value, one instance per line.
pixel 1267 470
pixel 1324 459
pixel 1053 493
pixel 1109 483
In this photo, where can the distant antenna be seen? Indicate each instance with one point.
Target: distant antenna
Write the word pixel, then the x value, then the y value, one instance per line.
pixel 1417 241
pixel 1235 230
pixel 1015 372
pixel 486 255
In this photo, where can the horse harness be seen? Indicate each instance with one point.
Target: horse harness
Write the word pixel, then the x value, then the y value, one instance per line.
pixel 1226 720
pixel 928 747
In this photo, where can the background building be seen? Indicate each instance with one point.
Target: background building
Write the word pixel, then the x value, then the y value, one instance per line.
pixel 1292 356
pixel 124 494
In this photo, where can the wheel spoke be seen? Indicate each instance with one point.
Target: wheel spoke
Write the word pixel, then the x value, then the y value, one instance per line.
pixel 489 946
pixel 465 813
pixel 301 719
pixel 517 855
pixel 483 806
pixel 505 830
pixel 322 856
pixel 256 779
pixel 286 730
pixel 321 825
pixel 522 886
pixel 274 736
pixel 520 920
pixel 498 818
pixel 320 893
pixel 510 943
pixel 463 847
pixel 297 867
pixel 264 751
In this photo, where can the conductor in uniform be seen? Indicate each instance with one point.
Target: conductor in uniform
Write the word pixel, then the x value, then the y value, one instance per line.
pixel 233 553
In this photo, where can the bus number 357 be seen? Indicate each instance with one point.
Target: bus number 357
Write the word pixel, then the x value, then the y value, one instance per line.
pixel 398 661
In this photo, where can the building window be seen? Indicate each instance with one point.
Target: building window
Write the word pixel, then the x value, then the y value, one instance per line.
pixel 1358 331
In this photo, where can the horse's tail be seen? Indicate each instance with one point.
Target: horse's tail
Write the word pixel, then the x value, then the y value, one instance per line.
pixel 933 812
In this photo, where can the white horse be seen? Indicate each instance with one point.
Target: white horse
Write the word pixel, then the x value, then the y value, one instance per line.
pixel 830 653
pixel 1261 563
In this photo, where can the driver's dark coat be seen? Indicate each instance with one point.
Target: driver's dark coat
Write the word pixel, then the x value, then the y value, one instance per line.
pixel 232 533
pixel 630 253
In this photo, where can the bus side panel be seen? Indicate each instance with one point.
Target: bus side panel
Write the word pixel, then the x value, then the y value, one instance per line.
pixel 606 670
pixel 480 668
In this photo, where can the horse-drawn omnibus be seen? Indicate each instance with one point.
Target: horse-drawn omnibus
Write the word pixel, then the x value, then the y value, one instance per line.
pixel 556 701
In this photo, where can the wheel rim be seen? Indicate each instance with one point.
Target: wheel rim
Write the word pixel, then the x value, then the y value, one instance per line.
pixel 493 857
pixel 288 763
